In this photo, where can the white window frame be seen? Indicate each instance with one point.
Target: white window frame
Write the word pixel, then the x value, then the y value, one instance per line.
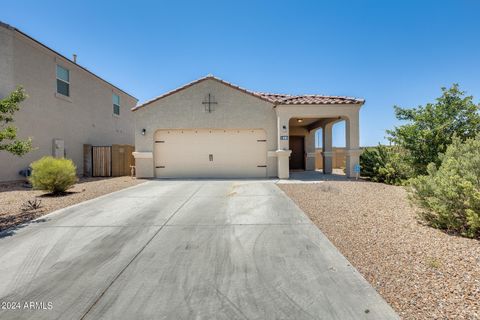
pixel 57 79
pixel 113 104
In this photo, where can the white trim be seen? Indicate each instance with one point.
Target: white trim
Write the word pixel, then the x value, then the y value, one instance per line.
pixel 114 104
pixel 64 81
pixel 142 155
pixel 62 97
pixel 283 153
pixel 278 153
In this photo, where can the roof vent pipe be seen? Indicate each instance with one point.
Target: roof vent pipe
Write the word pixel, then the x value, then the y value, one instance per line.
pixel 75 58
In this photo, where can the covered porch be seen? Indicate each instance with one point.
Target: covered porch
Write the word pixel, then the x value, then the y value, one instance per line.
pixel 297 128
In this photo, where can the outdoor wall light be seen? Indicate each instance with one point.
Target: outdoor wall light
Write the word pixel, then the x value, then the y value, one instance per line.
pixel 299 120
pixel 143 131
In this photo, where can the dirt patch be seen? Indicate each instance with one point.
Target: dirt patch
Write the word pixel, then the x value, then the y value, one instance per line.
pixel 14 198
pixel 422 272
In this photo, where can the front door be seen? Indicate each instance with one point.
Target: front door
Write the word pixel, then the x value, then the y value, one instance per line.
pixel 297 158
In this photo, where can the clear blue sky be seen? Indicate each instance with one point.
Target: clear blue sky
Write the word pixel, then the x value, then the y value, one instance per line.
pixel 388 52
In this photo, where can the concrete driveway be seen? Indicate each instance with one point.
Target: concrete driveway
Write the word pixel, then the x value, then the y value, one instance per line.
pixel 181 250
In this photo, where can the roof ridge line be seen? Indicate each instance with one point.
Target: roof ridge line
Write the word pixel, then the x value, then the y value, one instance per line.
pixel 207 77
pixel 41 44
pixel 274 98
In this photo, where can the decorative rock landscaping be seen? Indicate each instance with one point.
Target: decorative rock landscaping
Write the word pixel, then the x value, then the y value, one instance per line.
pixel 422 272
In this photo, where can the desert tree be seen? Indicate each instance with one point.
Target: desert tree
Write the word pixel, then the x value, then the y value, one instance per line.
pixel 8 133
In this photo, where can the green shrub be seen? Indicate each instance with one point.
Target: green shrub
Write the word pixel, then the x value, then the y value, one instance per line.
pixel 450 195
pixel 385 164
pixel 428 130
pixel 52 174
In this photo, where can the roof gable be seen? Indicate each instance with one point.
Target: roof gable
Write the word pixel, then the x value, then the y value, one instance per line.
pixel 188 85
pixel 273 98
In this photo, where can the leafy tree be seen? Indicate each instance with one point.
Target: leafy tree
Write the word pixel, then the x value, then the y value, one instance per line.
pixel 430 128
pixel 450 194
pixel 385 164
pixel 8 133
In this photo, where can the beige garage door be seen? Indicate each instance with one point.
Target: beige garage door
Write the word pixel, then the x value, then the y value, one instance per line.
pixel 212 153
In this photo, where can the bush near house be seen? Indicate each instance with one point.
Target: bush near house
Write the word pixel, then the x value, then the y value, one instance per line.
pixel 385 164
pixel 53 175
pixel 450 195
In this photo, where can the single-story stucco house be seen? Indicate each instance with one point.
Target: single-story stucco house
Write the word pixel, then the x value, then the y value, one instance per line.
pixel 68 106
pixel 212 128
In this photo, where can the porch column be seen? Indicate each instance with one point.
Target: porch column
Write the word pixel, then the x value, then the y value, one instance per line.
pixel 327 149
pixel 283 152
pixel 310 150
pixel 353 151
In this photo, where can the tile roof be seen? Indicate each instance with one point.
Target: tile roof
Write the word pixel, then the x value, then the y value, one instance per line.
pixel 273 98
pixel 310 99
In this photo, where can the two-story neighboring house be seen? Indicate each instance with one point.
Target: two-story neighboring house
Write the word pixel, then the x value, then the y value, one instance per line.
pixel 68 106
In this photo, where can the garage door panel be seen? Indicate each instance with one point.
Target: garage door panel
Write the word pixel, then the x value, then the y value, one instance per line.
pixel 210 153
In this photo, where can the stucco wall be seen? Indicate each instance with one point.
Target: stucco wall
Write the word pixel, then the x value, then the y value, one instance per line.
pixel 6 60
pixel 184 109
pixel 86 118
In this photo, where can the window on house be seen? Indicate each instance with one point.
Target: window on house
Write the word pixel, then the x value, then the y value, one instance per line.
pixel 63 81
pixel 116 104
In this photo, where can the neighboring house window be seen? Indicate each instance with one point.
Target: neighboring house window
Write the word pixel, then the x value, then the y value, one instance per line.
pixel 116 104
pixel 63 81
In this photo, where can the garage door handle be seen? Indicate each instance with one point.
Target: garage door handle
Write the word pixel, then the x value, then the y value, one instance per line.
pixel 210 157
pixel 159 141
pixel 160 167
pixel 261 166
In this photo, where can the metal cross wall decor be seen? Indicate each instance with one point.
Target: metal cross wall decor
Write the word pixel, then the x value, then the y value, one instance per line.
pixel 209 100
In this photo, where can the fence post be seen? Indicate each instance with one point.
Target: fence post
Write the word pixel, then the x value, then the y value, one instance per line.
pixel 87 160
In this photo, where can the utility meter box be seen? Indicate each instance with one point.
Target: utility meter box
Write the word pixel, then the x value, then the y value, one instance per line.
pixel 58 148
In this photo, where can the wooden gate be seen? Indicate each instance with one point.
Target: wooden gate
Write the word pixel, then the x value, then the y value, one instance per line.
pixel 101 161
pixel 122 159
pixel 108 161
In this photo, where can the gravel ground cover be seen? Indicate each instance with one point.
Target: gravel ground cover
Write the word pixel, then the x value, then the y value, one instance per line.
pixel 422 272
pixel 14 197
